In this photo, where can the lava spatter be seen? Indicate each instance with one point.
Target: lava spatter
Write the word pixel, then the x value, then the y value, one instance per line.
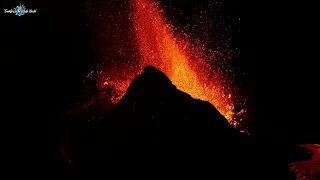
pixel 160 48
pixel 159 44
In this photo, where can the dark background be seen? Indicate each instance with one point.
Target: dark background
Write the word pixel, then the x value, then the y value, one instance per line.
pixel 44 57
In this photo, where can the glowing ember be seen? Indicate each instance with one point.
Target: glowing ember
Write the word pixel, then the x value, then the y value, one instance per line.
pixel 183 63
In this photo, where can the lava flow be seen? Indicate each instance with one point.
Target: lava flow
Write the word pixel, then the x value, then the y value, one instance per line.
pixel 159 46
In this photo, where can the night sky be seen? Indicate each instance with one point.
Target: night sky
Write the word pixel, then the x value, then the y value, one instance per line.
pixel 45 56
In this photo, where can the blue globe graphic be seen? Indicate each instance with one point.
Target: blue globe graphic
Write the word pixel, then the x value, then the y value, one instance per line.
pixel 19 10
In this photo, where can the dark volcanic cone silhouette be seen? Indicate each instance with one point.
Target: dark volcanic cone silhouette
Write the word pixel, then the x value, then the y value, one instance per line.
pixel 165 106
pixel 153 105
pixel 156 130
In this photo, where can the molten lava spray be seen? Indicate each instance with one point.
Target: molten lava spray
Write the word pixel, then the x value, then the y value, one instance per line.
pixel 160 47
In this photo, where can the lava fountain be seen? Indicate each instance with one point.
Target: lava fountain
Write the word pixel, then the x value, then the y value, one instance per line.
pixel 161 47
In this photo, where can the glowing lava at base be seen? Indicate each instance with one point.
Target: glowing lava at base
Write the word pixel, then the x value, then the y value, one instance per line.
pixel 159 47
pixel 308 169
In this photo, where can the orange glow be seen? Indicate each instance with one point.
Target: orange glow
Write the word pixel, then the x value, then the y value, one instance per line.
pixel 159 48
pixel 180 60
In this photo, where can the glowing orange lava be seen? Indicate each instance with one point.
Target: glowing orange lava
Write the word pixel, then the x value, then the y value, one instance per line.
pixel 159 48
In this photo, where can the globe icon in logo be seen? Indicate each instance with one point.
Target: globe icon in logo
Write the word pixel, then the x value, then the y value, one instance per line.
pixel 20 10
